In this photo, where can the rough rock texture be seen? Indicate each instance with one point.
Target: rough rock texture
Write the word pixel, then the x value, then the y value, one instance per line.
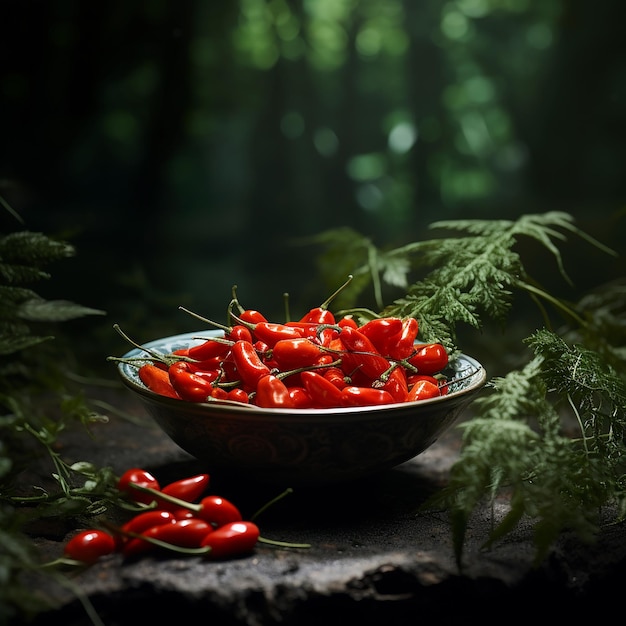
pixel 375 558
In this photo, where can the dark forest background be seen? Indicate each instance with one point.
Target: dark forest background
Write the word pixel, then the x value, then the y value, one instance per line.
pixel 184 147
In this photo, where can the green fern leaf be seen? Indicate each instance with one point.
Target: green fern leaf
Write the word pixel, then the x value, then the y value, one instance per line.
pixel 10 298
pixel 14 344
pixel 20 274
pixel 32 248
pixel 557 481
pixel 40 310
pixel 395 270
pixel 467 277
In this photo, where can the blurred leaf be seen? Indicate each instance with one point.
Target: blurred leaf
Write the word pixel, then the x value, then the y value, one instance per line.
pixel 38 310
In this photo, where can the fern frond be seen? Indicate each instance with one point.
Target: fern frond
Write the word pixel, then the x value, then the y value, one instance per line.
pixel 17 343
pixel 40 310
pixel 467 277
pixel 482 265
pixel 22 255
pixel 33 248
pixel 13 274
pixel 11 297
pixel 594 388
pixel 12 327
pixel 555 481
pixel 605 331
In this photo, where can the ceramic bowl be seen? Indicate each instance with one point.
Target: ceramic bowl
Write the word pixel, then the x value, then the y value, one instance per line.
pixel 313 446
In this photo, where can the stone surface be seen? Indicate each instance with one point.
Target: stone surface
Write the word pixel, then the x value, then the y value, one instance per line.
pixel 375 557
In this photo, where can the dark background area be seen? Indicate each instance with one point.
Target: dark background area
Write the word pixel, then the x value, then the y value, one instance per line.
pixel 185 147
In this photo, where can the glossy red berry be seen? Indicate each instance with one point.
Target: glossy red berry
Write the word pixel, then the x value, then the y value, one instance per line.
pixel 89 545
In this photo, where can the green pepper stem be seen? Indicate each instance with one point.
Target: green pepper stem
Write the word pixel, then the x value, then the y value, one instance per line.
pixel 266 506
pixel 332 296
pixel 283 544
pixel 159 495
pixel 226 329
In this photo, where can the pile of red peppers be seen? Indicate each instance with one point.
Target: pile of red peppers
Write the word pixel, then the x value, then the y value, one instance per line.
pixel 178 517
pixel 316 362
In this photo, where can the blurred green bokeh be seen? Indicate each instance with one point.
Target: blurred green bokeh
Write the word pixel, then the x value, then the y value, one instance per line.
pixel 185 147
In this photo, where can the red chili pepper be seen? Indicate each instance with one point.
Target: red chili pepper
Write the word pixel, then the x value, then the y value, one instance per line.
pixel 440 382
pixel 265 354
pixel 414 378
pixel 141 477
pixel 89 545
pixel 232 539
pixel 271 392
pixel 308 330
pixel 295 353
pixel 217 511
pixel 300 398
pixel 239 332
pixel 321 334
pixel 319 315
pixel 323 393
pixel 348 320
pixel 212 509
pixel 218 393
pixel 326 335
pixel 261 347
pixel 189 489
pixel 325 359
pixel 355 340
pixel 148 519
pixel 190 386
pixel 182 513
pixel 365 396
pixel 367 358
pixel 209 376
pixel 429 358
pixel 396 384
pixel 403 345
pixel 209 349
pixel 252 317
pixel 184 533
pixel 206 367
pixel 270 332
pixel 379 331
pixel 156 379
pixel 249 366
pixel 238 395
pixel 229 368
pixel 293 379
pixel 422 390
pixel 336 376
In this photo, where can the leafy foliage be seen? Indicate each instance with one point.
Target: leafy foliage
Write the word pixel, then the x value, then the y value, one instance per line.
pixel 519 444
pixel 462 278
pixel 22 256
pixel 28 425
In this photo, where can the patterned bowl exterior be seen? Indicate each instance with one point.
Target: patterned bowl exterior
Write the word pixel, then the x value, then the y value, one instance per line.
pixel 313 446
